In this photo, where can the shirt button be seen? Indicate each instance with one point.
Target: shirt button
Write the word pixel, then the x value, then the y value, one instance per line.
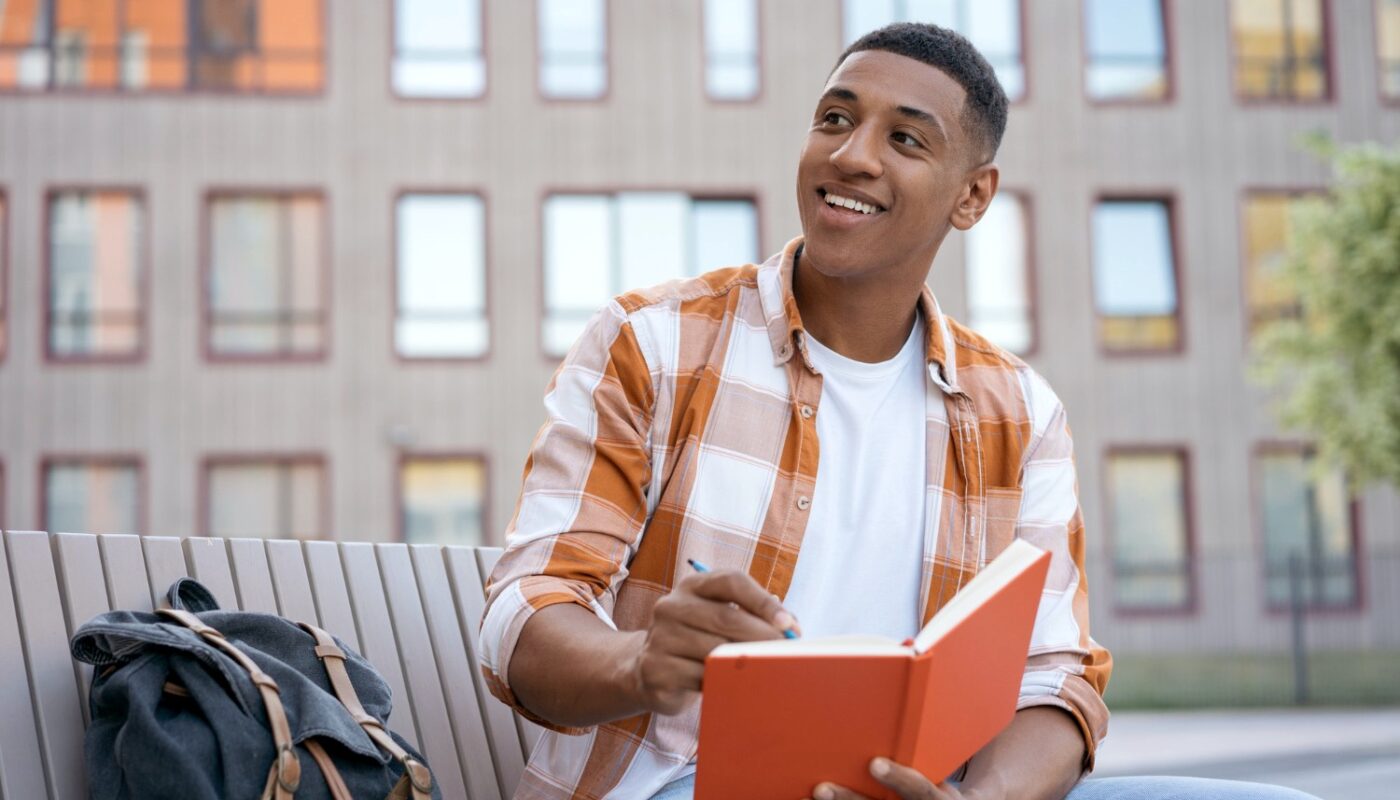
pixel 808 411
pixel 804 502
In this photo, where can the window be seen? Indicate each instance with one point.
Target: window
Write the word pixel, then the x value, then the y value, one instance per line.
pixel 1148 505
pixel 1268 231
pixel 731 49
pixel 273 498
pixel 1127 48
pixel 442 500
pixel 998 274
pixel 92 495
pixel 441 276
pixel 96 254
pixel 1280 49
pixel 136 45
pixel 1308 532
pixel 438 49
pixel 993 27
pixel 1388 47
pixel 598 246
pixel 573 48
pixel 266 285
pixel 1135 291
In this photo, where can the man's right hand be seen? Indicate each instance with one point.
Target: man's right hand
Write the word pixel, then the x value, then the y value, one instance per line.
pixel 703 611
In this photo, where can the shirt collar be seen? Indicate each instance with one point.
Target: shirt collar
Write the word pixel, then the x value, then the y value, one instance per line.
pixel 786 334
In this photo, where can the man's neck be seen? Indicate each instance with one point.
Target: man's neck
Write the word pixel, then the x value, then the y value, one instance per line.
pixel 865 320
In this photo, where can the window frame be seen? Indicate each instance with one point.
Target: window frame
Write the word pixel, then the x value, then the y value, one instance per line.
pixel 1305 449
pixel 1386 99
pixel 758 94
pixel 480 194
pixel 751 194
pixel 537 43
pixel 1032 302
pixel 1168 97
pixel 489 536
pixel 50 48
pixel 393 28
pixel 1192 607
pixel 145 264
pixel 206 273
pixel 210 461
pixel 1022 31
pixel 1329 64
pixel 1294 192
pixel 91 459
pixel 1168 198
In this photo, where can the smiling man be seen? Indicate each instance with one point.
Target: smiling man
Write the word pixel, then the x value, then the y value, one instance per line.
pixel 834 447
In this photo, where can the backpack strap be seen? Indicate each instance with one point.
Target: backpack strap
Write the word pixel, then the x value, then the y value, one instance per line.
pixel 285 774
pixel 417 780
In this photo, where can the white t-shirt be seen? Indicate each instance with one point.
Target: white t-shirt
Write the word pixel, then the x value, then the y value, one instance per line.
pixel 860 564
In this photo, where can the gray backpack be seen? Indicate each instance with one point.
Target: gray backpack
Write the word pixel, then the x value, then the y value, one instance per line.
pixel 194 702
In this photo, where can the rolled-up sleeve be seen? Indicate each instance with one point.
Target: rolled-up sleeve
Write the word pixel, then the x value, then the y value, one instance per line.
pixel 1065 668
pixel 582 503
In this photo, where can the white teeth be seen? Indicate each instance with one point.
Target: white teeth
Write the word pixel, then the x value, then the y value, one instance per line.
pixel 846 202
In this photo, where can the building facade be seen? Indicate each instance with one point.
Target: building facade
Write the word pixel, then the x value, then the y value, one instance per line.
pixel 304 268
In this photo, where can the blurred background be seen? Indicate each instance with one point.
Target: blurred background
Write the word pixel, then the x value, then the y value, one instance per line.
pixel 302 268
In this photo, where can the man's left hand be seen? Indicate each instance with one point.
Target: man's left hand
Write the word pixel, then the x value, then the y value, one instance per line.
pixel 907 783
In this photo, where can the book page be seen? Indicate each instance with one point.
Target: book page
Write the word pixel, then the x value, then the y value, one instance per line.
pixel 849 645
pixel 1017 558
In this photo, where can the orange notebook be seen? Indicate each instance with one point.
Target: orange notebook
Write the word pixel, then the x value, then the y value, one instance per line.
pixel 779 717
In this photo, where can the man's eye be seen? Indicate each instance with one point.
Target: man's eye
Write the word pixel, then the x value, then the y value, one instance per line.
pixel 907 140
pixel 835 118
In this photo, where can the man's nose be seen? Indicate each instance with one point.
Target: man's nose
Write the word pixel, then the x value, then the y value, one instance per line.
pixel 859 154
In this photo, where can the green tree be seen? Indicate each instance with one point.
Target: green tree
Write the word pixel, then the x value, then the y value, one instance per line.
pixel 1336 367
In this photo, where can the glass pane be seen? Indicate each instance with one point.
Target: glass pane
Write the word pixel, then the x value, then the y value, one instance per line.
pixel 1148 501
pixel 1388 45
pixel 265 500
pixel 441 275
pixel 1134 276
pixel 1309 520
pixel 652 236
pixel 579 261
pixel 1280 51
pixel 731 48
pixel 859 17
pixel 437 48
pixel 24 24
pixel 95 262
pixel 997 268
pixel 726 234
pixel 573 48
pixel 1127 49
pixel 91 498
pixel 154 41
pixel 1268 231
pixel 443 500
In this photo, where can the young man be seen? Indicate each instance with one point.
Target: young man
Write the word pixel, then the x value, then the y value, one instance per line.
pixel 817 432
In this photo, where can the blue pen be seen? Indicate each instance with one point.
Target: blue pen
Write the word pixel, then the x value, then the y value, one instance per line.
pixel 788 633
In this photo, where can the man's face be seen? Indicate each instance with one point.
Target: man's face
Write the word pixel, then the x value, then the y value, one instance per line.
pixel 886 133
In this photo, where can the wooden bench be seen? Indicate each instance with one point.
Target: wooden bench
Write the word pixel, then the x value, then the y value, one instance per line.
pixel 385 600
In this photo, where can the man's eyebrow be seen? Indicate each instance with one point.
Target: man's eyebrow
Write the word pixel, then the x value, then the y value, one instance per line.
pixel 916 114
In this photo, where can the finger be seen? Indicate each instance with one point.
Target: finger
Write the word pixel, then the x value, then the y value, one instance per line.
pixel 730 586
pixel 909 784
pixel 830 791
pixel 727 621
pixel 686 641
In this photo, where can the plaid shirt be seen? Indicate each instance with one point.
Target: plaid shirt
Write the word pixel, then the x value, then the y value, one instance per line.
pixel 683 425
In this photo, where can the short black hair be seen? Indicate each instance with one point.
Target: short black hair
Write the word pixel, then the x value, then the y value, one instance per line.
pixel 984 110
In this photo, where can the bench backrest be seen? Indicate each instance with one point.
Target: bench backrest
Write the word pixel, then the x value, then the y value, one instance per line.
pixel 412 610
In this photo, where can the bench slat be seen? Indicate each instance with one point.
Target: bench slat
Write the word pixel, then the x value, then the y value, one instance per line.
pixel 124 568
pixel 251 576
pixel 328 590
pixel 21 771
pixel 376 632
pixel 84 595
pixel 208 560
pixel 508 755
pixel 455 666
pixel 420 667
pixel 288 566
pixel 528 731
pixel 50 666
pixel 165 564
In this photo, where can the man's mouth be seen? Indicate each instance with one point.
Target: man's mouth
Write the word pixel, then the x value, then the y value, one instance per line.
pixel 851 204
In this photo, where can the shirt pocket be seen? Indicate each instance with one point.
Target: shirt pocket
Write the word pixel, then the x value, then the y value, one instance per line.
pixel 1003 512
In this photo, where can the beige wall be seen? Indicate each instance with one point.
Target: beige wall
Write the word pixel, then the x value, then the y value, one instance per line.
pixel 360 146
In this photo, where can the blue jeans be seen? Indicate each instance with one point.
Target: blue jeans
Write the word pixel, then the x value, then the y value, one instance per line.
pixel 1143 788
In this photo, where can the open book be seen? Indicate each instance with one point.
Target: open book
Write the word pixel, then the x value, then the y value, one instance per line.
pixel 779 717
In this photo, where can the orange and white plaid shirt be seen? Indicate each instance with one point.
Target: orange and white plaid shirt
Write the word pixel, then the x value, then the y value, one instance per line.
pixel 682 424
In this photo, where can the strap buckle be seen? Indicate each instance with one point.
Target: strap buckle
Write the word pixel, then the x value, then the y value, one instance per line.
pixel 288 769
pixel 418 774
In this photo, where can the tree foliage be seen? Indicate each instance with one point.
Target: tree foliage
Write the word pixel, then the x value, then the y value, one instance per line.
pixel 1336 368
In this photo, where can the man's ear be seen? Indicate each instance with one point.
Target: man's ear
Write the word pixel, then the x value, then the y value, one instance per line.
pixel 976 195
